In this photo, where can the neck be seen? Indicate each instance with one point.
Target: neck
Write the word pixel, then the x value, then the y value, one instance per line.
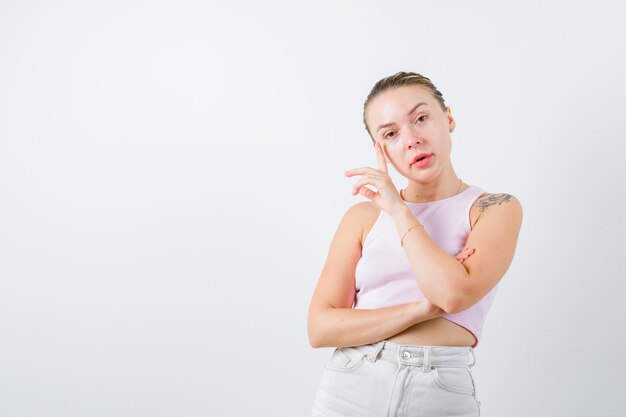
pixel 416 192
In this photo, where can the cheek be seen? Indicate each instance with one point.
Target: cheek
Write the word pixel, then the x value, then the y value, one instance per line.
pixel 392 150
pixel 396 157
pixel 393 146
pixel 441 136
pixel 445 143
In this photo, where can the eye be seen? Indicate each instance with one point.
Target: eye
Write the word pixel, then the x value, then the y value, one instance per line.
pixel 387 135
pixel 422 118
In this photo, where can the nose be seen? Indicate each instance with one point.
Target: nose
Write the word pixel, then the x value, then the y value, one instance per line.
pixel 412 138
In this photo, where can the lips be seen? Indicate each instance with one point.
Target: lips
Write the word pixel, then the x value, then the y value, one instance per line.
pixel 420 157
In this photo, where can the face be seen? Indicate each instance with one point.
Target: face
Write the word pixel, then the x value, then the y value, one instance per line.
pixel 409 123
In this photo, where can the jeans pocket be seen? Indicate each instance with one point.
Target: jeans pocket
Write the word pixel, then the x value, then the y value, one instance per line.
pixel 345 360
pixel 457 380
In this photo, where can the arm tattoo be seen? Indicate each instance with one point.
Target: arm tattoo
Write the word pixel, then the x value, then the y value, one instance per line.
pixel 492 199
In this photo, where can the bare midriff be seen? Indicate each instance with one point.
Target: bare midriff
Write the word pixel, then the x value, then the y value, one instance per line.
pixel 439 331
pixel 435 332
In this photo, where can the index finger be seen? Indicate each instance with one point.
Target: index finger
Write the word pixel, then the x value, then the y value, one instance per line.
pixel 382 161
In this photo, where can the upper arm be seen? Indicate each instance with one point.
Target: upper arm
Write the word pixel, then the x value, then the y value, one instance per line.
pixel 336 284
pixel 494 237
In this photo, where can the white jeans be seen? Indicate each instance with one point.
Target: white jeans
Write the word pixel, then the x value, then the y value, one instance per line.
pixel 386 379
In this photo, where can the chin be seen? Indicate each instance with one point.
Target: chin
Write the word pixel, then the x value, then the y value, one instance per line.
pixel 425 175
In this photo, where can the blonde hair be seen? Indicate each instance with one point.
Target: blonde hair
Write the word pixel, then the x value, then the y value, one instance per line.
pixel 397 80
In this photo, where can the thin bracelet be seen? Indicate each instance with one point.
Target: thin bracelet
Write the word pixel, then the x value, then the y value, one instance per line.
pixel 407 232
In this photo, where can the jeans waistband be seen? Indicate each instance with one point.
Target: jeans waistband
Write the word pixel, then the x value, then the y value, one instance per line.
pixel 426 357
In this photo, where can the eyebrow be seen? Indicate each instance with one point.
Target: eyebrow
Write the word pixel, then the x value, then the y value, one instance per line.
pixel 408 114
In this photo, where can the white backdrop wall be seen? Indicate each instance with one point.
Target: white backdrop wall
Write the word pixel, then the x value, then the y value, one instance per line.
pixel 171 174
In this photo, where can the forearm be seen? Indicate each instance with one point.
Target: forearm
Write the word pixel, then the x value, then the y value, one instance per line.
pixel 341 327
pixel 438 274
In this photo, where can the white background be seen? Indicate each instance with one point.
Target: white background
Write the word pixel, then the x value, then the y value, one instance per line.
pixel 171 174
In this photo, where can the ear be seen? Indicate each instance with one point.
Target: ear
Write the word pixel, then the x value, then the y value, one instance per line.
pixel 451 122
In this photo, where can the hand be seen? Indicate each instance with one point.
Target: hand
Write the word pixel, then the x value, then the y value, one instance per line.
pixel 387 197
pixel 464 254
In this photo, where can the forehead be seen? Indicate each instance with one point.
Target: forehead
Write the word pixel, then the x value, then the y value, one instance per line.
pixel 395 103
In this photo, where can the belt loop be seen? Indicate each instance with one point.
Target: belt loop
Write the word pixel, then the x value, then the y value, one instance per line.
pixel 471 351
pixel 426 366
pixel 379 346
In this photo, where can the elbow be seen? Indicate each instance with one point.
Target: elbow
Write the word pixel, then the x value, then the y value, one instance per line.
pixel 317 340
pixel 314 342
pixel 458 299
pixel 314 337
pixel 454 305
pixel 451 307
pixel 315 333
pixel 457 304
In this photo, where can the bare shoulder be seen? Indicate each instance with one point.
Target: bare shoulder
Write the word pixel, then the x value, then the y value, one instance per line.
pixel 506 205
pixel 363 215
pixel 497 199
pixel 364 210
pixel 336 285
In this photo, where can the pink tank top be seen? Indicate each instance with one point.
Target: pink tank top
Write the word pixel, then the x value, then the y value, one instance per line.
pixel 383 274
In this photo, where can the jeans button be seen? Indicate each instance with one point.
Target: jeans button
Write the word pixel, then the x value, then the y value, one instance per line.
pixel 406 355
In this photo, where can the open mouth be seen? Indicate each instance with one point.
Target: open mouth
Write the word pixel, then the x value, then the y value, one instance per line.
pixel 421 160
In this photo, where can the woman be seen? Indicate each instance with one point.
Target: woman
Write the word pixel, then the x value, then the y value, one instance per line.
pixel 410 274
